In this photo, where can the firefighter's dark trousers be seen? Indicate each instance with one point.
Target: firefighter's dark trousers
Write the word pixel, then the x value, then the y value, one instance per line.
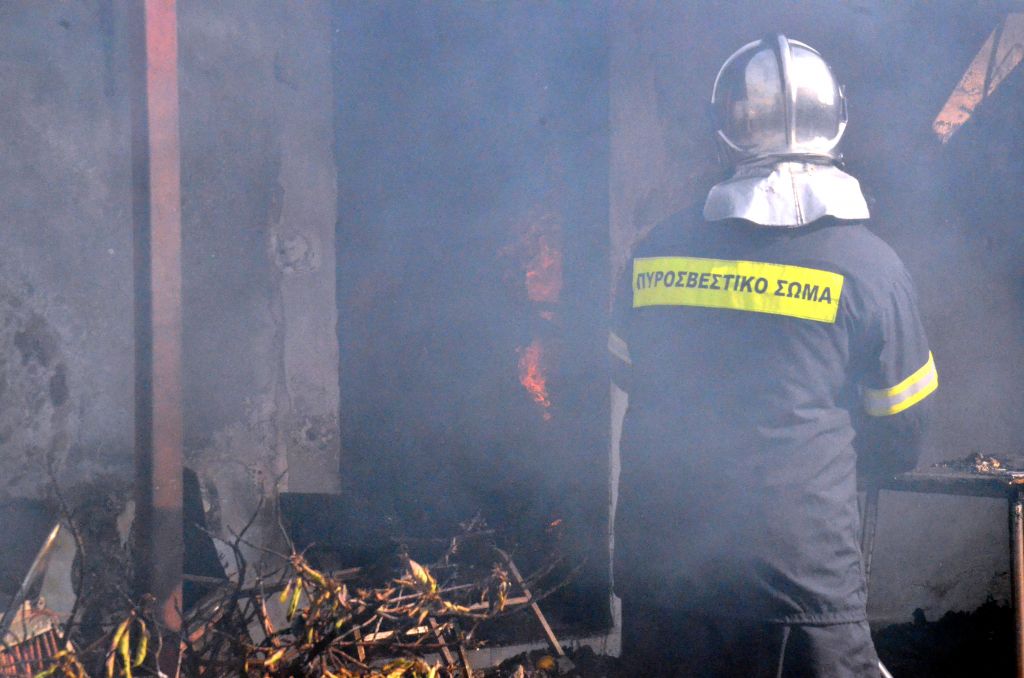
pixel 658 642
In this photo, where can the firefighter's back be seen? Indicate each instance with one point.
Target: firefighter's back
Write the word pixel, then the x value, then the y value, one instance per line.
pixel 748 349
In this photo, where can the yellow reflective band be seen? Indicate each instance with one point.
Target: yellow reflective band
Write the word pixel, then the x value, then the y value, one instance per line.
pixel 906 394
pixel 761 287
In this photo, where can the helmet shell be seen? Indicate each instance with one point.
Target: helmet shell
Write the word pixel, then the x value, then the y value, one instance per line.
pixel 777 98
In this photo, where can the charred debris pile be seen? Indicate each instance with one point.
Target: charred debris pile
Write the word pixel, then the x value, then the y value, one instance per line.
pixel 418 608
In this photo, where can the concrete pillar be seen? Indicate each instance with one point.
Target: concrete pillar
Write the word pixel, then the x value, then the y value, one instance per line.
pixel 302 247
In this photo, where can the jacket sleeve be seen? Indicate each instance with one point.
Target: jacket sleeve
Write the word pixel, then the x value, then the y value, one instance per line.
pixel 900 376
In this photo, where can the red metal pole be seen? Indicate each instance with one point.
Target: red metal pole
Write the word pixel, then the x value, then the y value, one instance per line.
pixel 156 176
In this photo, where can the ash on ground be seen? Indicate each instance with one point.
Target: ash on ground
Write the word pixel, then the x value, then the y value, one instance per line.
pixel 585 663
pixel 977 644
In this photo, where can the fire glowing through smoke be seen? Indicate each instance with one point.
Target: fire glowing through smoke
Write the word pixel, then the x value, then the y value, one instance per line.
pixel 531 374
pixel 539 259
pixel 544 272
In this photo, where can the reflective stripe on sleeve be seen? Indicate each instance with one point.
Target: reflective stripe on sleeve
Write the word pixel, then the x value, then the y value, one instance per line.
pixel 618 347
pixel 907 393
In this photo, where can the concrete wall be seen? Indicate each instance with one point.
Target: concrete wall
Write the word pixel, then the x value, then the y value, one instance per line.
pixel 258 177
pixel 65 233
pixel 900 62
pixel 258 187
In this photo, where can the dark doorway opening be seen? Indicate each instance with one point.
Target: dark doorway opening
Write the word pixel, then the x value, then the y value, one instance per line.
pixel 472 147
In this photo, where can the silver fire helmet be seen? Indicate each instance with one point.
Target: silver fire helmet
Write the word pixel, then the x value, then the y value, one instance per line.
pixel 777 98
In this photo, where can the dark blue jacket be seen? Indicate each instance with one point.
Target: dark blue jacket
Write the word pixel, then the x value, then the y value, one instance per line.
pixel 754 357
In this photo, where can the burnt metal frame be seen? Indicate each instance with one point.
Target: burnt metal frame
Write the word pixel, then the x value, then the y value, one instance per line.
pixel 34 574
pixel 1006 485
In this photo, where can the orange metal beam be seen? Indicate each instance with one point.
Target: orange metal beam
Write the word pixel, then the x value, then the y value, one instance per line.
pixel 1001 53
pixel 156 177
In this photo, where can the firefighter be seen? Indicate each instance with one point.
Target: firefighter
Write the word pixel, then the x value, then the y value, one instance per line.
pixel 769 344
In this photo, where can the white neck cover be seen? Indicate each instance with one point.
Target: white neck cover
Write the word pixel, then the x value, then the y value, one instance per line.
pixel 786 194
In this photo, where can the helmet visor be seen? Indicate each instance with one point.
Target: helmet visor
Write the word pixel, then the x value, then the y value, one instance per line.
pixel 749 103
pixel 819 114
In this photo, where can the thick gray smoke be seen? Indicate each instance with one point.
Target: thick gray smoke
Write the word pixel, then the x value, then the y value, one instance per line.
pixel 402 222
pixel 472 263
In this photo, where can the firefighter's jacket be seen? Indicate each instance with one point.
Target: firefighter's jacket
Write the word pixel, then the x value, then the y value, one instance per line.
pixel 749 355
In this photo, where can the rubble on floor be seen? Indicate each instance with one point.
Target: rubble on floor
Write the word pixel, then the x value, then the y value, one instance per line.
pixel 978 643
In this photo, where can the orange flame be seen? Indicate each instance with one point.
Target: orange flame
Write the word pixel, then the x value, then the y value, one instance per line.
pixel 537 255
pixel 531 374
pixel 538 258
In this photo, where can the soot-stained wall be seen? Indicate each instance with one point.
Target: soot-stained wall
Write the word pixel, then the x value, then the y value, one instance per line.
pixel 258 194
pixel 65 274
pixel 951 212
